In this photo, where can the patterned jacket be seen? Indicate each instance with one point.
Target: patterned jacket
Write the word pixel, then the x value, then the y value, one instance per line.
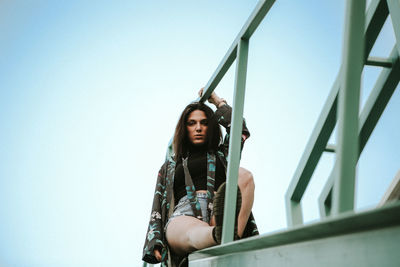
pixel 163 203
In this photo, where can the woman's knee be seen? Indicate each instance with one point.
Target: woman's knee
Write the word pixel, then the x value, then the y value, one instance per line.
pixel 182 234
pixel 177 233
pixel 245 179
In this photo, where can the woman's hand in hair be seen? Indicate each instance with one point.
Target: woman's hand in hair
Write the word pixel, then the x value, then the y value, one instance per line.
pixel 214 98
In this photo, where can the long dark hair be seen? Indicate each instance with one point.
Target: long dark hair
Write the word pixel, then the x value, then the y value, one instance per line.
pixel 181 141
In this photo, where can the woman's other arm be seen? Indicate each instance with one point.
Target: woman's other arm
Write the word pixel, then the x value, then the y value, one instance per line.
pixel 223 115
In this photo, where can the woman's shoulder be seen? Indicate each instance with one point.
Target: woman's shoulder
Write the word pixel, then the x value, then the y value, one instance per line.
pixel 164 165
pixel 167 163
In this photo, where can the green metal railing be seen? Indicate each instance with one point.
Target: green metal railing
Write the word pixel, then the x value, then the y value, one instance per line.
pixel 353 130
pixel 341 106
pixel 238 50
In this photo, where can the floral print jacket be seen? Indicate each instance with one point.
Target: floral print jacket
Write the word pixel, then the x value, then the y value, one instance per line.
pixel 163 203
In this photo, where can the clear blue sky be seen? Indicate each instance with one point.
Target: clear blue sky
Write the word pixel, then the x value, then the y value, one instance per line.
pixel 90 92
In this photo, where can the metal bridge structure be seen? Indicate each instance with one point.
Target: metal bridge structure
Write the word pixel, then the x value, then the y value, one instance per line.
pixel 342 237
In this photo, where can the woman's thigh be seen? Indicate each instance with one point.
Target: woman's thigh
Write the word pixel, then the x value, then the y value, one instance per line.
pixel 179 231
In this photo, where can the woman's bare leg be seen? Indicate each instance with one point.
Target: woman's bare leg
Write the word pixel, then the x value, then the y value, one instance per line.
pixel 186 234
pixel 246 185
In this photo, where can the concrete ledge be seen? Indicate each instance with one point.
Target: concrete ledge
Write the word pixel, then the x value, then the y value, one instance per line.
pixel 361 226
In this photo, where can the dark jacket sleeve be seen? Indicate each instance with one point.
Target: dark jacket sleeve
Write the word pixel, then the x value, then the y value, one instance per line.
pixel 155 232
pixel 224 116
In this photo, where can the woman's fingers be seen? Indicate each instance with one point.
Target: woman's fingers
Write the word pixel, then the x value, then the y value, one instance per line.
pixel 157 254
pixel 213 99
pixel 213 96
pixel 201 92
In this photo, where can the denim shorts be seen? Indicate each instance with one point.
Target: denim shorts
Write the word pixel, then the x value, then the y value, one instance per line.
pixel 183 208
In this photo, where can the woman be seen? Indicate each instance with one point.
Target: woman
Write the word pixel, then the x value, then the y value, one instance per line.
pixel 190 179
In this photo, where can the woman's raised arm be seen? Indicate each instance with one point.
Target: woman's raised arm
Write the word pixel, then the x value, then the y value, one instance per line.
pixel 223 116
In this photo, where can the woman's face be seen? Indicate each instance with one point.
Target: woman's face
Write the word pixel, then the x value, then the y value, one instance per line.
pixel 196 126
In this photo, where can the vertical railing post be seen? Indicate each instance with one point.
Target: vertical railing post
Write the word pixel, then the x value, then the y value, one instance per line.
pixel 234 143
pixel 348 107
pixel 294 213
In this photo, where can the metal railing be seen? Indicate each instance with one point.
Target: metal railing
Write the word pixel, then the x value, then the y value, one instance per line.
pixel 342 106
pixel 239 51
pixel 354 130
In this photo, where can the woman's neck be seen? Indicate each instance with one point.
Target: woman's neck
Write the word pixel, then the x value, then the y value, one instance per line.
pixel 197 148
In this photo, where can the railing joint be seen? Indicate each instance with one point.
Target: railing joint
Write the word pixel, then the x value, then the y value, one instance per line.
pixel 379 62
pixel 330 148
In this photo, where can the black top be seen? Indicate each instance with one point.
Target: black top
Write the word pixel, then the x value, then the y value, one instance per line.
pixel 197 165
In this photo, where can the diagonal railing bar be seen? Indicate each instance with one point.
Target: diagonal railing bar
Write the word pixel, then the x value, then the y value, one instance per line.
pixel 254 20
pixel 375 18
pixel 316 144
pixel 373 109
pixel 325 198
pixel 312 153
pixel 378 99
pixel 394 10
